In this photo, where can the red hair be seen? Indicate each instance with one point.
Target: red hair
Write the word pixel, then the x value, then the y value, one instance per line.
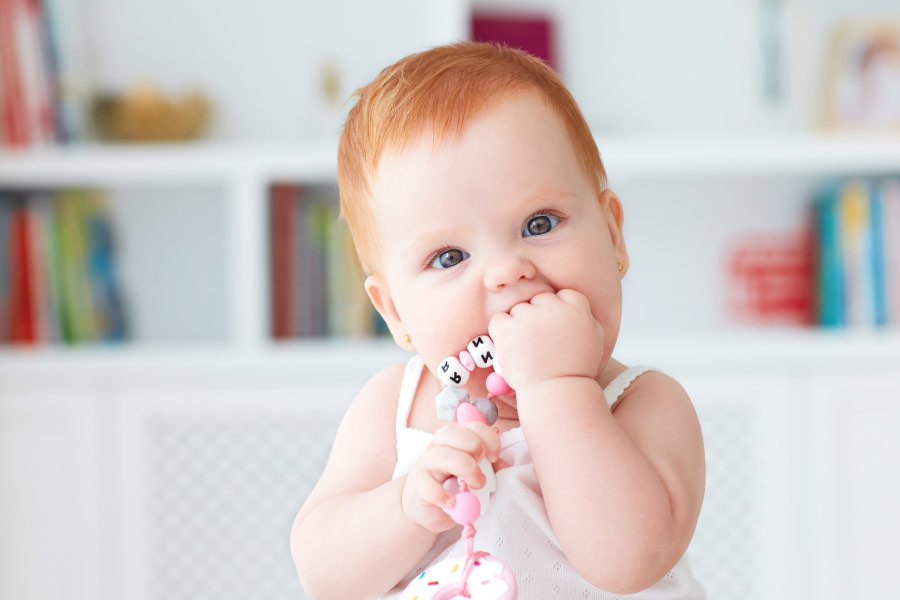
pixel 441 89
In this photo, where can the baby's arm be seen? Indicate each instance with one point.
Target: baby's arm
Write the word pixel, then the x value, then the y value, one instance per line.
pixel 623 492
pixel 360 532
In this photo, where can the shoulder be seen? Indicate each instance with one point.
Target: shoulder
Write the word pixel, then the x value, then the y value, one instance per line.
pixel 656 400
pixel 656 384
pixel 365 440
pixel 375 406
pixel 657 415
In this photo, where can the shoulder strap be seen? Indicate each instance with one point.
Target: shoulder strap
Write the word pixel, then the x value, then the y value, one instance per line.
pixel 408 390
pixel 621 382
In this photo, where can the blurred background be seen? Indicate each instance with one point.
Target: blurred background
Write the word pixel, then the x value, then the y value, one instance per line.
pixel 183 324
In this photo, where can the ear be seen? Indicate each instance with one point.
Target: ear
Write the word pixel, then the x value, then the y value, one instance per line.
pixel 612 212
pixel 380 295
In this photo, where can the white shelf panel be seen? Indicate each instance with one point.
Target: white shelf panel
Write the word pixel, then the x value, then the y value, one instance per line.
pixel 167 164
pixel 733 348
pixel 626 157
pixel 800 154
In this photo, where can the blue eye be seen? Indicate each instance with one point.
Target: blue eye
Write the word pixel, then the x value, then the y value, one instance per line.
pixel 449 258
pixel 540 225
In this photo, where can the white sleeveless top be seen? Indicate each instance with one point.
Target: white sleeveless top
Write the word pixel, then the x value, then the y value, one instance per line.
pixel 515 528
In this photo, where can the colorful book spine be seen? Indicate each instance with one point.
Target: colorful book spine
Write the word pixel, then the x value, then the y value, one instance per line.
pixel 890 210
pixel 315 266
pixel 58 270
pixel 21 316
pixel 14 110
pixel 877 251
pixel 830 296
pixel 282 222
pixel 42 73
pixel 857 254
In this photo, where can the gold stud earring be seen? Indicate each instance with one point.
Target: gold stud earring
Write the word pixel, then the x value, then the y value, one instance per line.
pixel 620 266
pixel 407 339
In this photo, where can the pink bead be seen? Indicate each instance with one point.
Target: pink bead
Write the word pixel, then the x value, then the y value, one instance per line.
pixel 466 509
pixel 466 360
pixel 468 413
pixel 496 385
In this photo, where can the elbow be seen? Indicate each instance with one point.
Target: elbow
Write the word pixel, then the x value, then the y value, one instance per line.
pixel 305 570
pixel 630 579
pixel 631 567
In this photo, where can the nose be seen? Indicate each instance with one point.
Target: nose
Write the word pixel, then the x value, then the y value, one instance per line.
pixel 508 269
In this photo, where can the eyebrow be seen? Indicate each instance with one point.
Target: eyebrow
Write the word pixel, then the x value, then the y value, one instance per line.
pixel 540 196
pixel 426 238
pixel 548 194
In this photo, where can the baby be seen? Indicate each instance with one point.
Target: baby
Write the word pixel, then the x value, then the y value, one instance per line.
pixel 478 203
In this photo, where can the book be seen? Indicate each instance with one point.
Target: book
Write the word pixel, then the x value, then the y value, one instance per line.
pixel 78 323
pixel 20 309
pixel 107 310
pixel 877 252
pixel 321 214
pixel 35 79
pixel 830 268
pixel 284 202
pixel 350 312
pixel 890 210
pixel 856 248
pixel 13 109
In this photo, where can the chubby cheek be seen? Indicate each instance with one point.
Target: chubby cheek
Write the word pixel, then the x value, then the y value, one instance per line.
pixel 439 326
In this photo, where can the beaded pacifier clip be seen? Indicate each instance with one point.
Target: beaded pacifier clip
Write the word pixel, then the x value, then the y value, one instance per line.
pixel 477 575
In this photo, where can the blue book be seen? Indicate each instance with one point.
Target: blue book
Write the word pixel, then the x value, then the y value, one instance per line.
pixel 831 306
pixel 879 275
pixel 106 299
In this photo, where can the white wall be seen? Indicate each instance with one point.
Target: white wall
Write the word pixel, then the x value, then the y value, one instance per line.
pixel 634 66
pixel 261 61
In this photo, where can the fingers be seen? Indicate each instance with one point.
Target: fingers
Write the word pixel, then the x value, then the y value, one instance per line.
pixel 573 297
pixel 475 439
pixel 444 461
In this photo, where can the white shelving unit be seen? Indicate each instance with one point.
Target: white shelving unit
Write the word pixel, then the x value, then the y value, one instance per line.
pixel 125 462
pixel 651 175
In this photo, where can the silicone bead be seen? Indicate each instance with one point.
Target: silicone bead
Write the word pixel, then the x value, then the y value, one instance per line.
pixel 452 373
pixel 467 413
pixel 488 410
pixel 466 509
pixel 482 350
pixel 447 401
pixel 465 359
pixel 496 385
pixel 497 368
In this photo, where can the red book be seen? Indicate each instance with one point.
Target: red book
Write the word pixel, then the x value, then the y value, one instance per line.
pixel 282 218
pixel 533 33
pixel 21 324
pixel 13 100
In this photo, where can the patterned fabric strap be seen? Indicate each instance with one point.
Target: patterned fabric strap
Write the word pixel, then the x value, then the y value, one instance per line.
pixel 620 383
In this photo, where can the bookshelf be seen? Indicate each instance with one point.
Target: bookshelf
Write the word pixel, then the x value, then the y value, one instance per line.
pixel 221 190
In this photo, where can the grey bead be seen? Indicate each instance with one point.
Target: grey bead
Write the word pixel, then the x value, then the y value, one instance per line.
pixel 488 410
pixel 447 401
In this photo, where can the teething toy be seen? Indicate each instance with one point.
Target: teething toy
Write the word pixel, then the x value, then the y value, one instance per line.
pixel 454 372
pixel 477 575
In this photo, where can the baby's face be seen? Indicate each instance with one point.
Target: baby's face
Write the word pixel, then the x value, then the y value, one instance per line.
pixel 486 220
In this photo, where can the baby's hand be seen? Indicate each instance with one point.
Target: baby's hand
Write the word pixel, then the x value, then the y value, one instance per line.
pixel 554 335
pixel 454 452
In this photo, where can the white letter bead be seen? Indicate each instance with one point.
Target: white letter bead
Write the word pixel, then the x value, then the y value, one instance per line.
pixel 482 351
pixel 452 373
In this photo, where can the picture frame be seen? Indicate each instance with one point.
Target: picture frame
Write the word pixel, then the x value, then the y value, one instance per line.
pixel 862 83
